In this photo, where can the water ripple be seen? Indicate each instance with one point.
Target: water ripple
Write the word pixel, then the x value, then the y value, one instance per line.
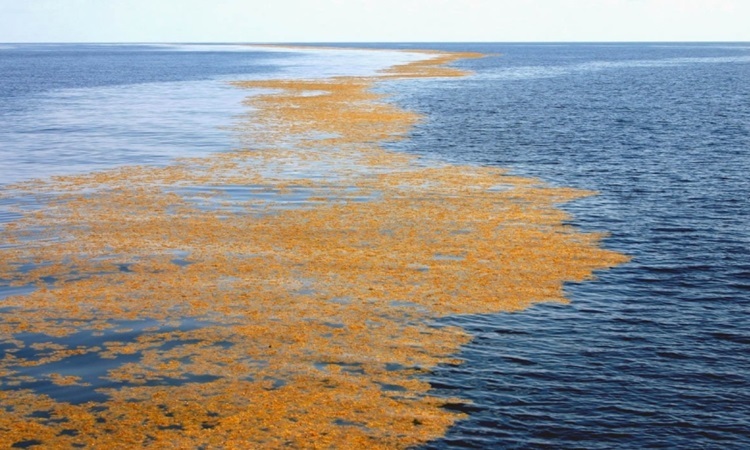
pixel 656 353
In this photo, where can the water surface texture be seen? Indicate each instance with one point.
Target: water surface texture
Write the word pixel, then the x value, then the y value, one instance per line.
pixel 653 354
pixel 656 353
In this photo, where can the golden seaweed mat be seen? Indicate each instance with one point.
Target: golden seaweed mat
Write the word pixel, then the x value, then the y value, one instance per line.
pixel 283 295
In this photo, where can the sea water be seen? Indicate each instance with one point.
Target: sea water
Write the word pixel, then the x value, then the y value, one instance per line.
pixel 654 353
pixel 68 109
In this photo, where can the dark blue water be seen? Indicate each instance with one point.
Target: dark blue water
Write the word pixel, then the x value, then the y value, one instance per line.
pixel 656 353
pixel 29 69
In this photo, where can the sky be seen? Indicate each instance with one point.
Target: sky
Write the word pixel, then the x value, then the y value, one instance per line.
pixel 373 20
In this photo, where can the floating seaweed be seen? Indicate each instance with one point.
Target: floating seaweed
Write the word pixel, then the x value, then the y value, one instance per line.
pixel 281 295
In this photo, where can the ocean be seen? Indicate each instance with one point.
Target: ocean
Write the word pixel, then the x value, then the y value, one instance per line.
pixel 652 353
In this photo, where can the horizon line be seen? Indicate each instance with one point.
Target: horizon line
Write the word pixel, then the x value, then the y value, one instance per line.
pixel 382 42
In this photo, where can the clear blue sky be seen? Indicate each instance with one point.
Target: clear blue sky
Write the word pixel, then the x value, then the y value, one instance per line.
pixel 372 20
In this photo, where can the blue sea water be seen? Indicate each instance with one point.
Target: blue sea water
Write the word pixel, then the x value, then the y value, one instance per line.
pixel 653 354
pixel 75 108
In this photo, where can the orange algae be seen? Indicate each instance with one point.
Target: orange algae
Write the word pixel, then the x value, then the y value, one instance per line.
pixel 263 325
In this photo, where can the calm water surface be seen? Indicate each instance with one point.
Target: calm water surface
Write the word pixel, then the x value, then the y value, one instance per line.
pixel 654 354
pixel 75 108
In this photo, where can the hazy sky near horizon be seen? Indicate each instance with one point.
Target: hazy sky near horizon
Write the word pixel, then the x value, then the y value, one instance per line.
pixel 372 20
